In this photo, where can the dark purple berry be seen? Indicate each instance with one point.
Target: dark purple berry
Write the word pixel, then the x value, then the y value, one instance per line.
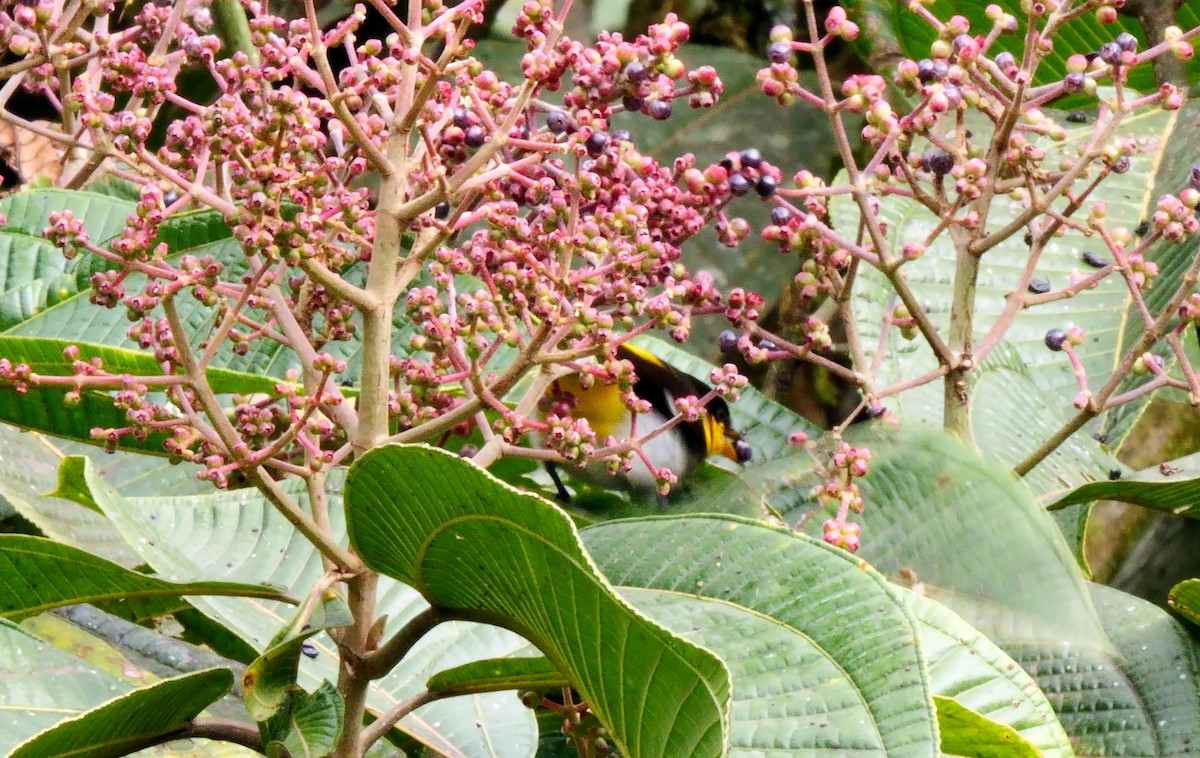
pixel 1077 117
pixel 462 119
pixel 961 41
pixel 1093 260
pixel 727 341
pixel 309 650
pixel 1039 286
pixel 766 186
pixel 1127 42
pixel 1142 229
pixel 1055 339
pixel 468 451
pixel 938 161
pixel 743 451
pixel 636 72
pixel 940 69
pixel 659 110
pixel 738 184
pixel 441 210
pixel 875 410
pixel 1005 60
pixel 767 345
pixel 1114 474
pixel 1194 179
pixel 1121 165
pixel 726 163
pixel 1110 53
pixel 632 103
pixel 475 136
pixel 750 157
pixel 779 52
pixel 953 95
pixel 622 135
pixel 170 197
pixel 597 143
pixel 558 121
pixel 1074 82
pixel 925 72
pixel 780 215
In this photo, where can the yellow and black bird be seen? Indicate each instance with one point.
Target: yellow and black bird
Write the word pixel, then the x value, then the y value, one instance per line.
pixel 682 449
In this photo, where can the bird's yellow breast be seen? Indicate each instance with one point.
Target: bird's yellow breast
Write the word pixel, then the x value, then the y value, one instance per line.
pixel 600 404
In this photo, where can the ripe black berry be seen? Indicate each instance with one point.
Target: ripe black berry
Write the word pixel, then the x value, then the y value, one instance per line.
pixel 622 135
pixel 1194 180
pixel 462 119
pixel 1039 286
pixel 1121 165
pixel 1055 339
pixel 1005 60
pixel 739 184
pixel 727 341
pixel 441 210
pixel 938 161
pixel 1114 474
pixel 1093 260
pixel 660 110
pixel 558 122
pixel 632 103
pixel 1077 117
pixel 750 157
pixel 1074 82
pixel 1127 42
pixel 1110 53
pixel 780 216
pixel 925 72
pixel 766 186
pixel 475 136
pixel 597 143
pixel 779 52
pixel 636 72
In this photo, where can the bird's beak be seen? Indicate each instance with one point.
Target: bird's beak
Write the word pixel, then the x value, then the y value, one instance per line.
pixel 734 447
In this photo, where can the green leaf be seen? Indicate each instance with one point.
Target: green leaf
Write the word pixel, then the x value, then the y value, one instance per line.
pixel 971 669
pixel 967 733
pixel 1143 698
pixel 43 685
pixel 1172 487
pixel 479 549
pixel 310 725
pixel 238 534
pixel 779 608
pixel 497 675
pixel 131 720
pixel 37 574
pixel 938 514
pixel 1184 599
pixel 269 680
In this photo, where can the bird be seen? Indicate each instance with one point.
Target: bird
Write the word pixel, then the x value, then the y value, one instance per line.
pixel 682 449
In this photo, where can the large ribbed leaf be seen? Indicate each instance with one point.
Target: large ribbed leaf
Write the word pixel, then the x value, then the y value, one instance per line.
pixel 820 649
pixel 37 574
pixel 238 534
pixel 131 720
pixel 939 514
pixel 1143 698
pixel 479 549
pixel 1172 487
pixel 971 669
